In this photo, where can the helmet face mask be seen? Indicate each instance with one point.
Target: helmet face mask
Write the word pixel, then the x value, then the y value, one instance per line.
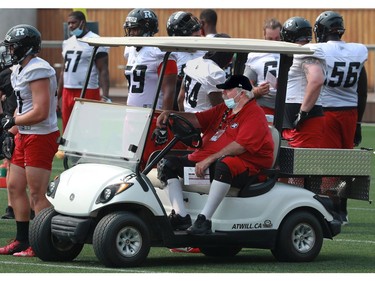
pixel 144 21
pixel 20 41
pixel 328 23
pixel 182 24
pixel 296 29
pixel 5 57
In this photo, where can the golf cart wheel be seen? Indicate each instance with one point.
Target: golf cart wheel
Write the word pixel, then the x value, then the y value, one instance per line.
pixel 70 161
pixel 220 251
pixel 46 246
pixel 300 238
pixel 121 239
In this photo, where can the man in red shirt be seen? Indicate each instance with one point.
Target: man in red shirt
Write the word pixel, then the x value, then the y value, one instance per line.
pixel 237 143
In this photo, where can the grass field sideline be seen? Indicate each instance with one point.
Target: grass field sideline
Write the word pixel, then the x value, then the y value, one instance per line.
pixel 352 251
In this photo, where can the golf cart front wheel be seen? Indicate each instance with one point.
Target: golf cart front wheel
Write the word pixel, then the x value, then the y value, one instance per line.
pixel 47 246
pixel 300 238
pixel 121 239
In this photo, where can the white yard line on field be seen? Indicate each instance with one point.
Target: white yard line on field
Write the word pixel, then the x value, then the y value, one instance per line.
pixel 75 267
pixel 355 241
pixel 362 209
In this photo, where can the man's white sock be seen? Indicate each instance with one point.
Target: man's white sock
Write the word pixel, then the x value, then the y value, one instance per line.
pixel 218 190
pixel 175 196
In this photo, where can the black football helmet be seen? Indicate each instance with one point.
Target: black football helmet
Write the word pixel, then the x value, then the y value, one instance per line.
pixel 328 23
pixel 296 29
pixel 143 19
pixel 182 24
pixel 20 41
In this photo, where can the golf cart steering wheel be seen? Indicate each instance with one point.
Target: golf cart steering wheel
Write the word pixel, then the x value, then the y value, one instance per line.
pixel 184 131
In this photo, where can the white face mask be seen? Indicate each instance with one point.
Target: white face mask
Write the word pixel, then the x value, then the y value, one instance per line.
pixel 78 31
pixel 230 103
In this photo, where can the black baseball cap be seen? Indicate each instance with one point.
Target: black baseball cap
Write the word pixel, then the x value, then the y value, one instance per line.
pixel 236 81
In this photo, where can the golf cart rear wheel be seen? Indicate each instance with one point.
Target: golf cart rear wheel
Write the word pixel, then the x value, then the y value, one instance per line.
pixel 300 238
pixel 220 251
pixel 121 239
pixel 46 246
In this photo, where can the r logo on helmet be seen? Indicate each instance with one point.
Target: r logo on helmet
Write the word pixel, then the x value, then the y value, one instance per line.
pixel 20 32
pixel 147 14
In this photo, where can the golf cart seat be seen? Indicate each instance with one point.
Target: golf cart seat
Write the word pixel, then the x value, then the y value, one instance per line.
pixel 252 188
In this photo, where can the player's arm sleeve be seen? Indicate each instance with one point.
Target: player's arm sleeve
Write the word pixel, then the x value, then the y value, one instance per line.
pixel 251 74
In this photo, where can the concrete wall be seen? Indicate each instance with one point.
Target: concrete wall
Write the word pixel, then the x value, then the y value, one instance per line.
pixel 12 17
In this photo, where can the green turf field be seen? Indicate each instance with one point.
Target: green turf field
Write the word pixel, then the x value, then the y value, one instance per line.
pixel 352 251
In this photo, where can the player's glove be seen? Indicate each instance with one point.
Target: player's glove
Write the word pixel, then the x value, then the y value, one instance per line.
pixel 300 117
pixel 358 135
pixel 8 145
pixel 7 122
pixel 160 136
pixel 2 138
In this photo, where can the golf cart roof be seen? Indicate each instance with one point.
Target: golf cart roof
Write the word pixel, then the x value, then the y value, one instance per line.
pixel 191 43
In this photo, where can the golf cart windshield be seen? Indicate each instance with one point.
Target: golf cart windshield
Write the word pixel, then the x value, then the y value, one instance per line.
pixel 116 134
pixel 105 132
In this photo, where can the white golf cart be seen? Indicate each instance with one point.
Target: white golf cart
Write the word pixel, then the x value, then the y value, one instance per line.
pixel 106 199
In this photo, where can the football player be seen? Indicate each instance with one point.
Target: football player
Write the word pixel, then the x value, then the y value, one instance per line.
pixel 344 95
pixel 198 90
pixel 76 59
pixel 261 67
pixel 142 73
pixel 144 64
pixel 182 23
pixel 303 121
pixel 32 131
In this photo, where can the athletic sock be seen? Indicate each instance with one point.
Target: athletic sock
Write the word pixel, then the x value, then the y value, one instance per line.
pixel 176 197
pixel 218 190
pixel 22 231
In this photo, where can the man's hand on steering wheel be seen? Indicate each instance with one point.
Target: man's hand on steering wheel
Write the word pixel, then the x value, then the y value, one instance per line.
pixel 184 130
pixel 161 121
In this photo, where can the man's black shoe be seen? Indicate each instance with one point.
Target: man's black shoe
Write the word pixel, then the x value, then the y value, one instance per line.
pixel 178 222
pixel 9 214
pixel 200 226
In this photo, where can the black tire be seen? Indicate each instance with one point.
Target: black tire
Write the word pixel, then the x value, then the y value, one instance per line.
pixel 300 238
pixel 46 246
pixel 70 161
pixel 220 251
pixel 121 239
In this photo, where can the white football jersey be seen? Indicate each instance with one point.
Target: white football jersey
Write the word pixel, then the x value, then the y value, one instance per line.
pixel 256 68
pixel 296 77
pixel 184 57
pixel 201 77
pixel 344 64
pixel 37 68
pixel 77 57
pixel 142 74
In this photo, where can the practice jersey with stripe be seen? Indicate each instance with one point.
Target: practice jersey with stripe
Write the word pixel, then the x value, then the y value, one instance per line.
pixel 77 57
pixel 296 76
pixel 201 77
pixel 141 72
pixel 344 64
pixel 36 69
pixel 256 68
